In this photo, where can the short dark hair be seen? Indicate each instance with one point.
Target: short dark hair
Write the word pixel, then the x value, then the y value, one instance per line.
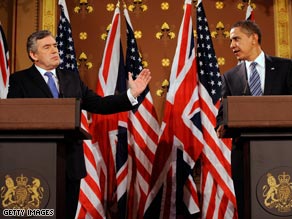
pixel 32 40
pixel 250 27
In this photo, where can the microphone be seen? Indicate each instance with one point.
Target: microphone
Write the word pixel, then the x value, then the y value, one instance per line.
pixel 244 92
pixel 61 94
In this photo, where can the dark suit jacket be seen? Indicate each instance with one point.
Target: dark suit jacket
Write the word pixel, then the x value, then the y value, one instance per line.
pixel 278 80
pixel 29 83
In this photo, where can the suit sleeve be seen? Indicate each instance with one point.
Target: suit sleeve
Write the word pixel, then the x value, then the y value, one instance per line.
pixel 104 105
pixel 289 78
pixel 14 89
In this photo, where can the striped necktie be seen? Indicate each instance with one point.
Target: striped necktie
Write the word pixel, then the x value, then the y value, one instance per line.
pixel 52 85
pixel 254 81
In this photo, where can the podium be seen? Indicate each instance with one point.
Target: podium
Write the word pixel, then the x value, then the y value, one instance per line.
pixel 34 134
pixel 264 126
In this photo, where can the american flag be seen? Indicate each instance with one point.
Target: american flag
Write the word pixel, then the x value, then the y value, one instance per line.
pixel 218 197
pixel 143 131
pixel 249 13
pixel 172 185
pixel 65 40
pixel 4 65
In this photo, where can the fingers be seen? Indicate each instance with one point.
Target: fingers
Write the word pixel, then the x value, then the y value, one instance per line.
pixel 145 75
pixel 130 75
pixel 220 131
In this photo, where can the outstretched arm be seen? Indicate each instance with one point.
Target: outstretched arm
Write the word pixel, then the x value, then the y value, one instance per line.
pixel 138 86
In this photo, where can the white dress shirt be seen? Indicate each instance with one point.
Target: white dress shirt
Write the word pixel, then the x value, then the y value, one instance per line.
pixel 260 60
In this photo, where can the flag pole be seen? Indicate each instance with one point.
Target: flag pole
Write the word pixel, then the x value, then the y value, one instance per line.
pixel 124 4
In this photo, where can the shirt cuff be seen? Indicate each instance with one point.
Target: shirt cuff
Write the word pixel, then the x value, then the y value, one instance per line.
pixel 132 99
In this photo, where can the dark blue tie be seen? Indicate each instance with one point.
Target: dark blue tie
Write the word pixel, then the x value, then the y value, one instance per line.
pixel 52 85
pixel 254 81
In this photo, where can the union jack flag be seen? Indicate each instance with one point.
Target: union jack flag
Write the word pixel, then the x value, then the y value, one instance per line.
pixel 180 144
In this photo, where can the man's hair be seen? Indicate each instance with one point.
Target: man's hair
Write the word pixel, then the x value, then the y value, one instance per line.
pixel 249 27
pixel 32 40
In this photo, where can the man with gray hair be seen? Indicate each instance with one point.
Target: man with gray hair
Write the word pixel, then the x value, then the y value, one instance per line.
pixel 45 80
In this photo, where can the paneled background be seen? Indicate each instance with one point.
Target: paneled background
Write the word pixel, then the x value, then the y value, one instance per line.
pixel 156 23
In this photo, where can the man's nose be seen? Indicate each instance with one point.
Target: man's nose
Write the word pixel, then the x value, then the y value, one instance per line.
pixel 54 49
pixel 231 44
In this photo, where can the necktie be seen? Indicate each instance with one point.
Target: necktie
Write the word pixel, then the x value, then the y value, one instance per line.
pixel 52 85
pixel 254 81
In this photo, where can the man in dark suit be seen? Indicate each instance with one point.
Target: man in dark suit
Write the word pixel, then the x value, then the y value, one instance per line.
pixel 32 83
pixel 275 78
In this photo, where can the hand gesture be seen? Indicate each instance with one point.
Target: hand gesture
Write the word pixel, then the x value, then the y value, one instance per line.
pixel 221 131
pixel 138 86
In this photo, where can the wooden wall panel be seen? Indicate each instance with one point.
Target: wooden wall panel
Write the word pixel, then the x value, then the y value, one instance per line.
pixel 283 29
pixel 6 8
pixel 25 21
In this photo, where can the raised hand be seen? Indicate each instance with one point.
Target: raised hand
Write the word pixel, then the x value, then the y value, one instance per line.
pixel 138 86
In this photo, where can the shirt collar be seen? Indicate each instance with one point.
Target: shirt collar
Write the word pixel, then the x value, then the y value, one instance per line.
pixel 43 71
pixel 260 60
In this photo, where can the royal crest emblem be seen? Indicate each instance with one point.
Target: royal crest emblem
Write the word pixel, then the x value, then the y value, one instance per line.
pixel 22 192
pixel 278 195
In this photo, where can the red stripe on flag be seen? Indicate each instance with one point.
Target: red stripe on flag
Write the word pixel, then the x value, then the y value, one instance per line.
pixel 184 42
pixel 89 207
pixel 223 207
pixel 94 186
pixel 81 213
pixel 3 63
pixel 109 50
pixel 122 175
pixel 140 141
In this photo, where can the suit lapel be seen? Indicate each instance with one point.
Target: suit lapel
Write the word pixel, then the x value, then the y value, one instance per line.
pixel 61 80
pixel 39 81
pixel 243 79
pixel 270 70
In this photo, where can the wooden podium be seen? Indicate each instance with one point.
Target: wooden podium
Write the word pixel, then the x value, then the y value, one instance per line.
pixel 264 124
pixel 34 134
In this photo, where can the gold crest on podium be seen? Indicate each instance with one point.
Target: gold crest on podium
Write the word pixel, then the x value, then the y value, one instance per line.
pixel 275 193
pixel 23 191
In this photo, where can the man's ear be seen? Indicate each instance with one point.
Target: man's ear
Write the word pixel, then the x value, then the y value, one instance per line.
pixel 33 56
pixel 255 38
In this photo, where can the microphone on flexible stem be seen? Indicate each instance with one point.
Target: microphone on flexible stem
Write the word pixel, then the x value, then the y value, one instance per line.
pixel 245 88
pixel 61 93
